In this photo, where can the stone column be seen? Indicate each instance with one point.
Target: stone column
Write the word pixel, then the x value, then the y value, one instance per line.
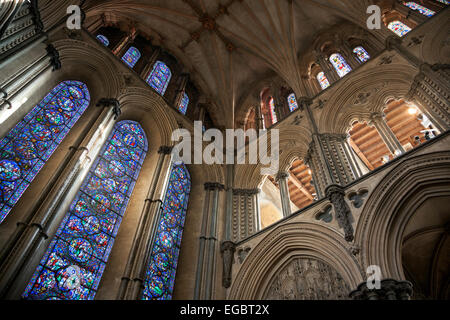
pixel 184 78
pixel 149 66
pixel 326 67
pixel 389 138
pixel 44 220
pixel 122 47
pixel 259 117
pixel 282 179
pixel 132 282
pixel 390 289
pixel 204 284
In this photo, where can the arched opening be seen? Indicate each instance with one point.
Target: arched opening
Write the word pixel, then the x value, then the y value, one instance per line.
pixel 301 185
pixel 159 77
pixel 28 146
pixel 270 203
pixel 73 265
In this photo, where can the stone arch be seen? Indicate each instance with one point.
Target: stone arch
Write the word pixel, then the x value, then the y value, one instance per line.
pixel 382 223
pixel 288 241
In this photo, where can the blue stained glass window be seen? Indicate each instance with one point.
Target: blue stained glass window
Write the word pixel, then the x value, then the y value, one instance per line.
pixel 414 6
pixel 340 64
pixel 103 40
pixel 159 78
pixel 399 28
pixel 26 148
pixel 361 53
pixel 131 57
pixel 292 101
pixel 184 103
pixel 444 1
pixel 161 270
pixel 73 265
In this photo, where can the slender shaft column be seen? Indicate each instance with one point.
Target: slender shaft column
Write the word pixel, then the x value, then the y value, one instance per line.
pixel 133 279
pixel 43 224
pixel 389 138
pixel 122 47
pixel 282 179
pixel 211 245
pixel 326 68
pixel 352 59
pixel 151 62
pixel 184 78
pixel 259 117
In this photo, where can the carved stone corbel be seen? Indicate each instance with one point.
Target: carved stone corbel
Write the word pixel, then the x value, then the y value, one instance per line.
pixel 336 195
pixel 227 249
pixel 114 103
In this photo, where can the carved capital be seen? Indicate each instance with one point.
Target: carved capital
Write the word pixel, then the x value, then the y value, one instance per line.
pixel 165 150
pixel 282 175
pixel 211 186
pixel 113 103
pixel 54 57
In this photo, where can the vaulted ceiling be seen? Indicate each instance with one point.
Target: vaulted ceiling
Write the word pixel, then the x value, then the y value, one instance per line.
pixel 229 46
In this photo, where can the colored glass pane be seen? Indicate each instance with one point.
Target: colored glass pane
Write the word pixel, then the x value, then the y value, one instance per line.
pixel 339 63
pixel 161 270
pixel 292 101
pixel 159 78
pixel 444 1
pixel 26 148
pixel 399 28
pixel 417 7
pixel 184 103
pixel 273 114
pixel 103 40
pixel 73 265
pixel 323 81
pixel 361 53
pixel 131 57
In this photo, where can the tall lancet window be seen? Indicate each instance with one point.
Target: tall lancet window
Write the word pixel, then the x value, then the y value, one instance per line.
pixel 160 77
pixel 323 80
pixel 339 63
pixel 131 57
pixel 399 28
pixel 103 40
pixel 162 266
pixel 273 113
pixel 292 101
pixel 361 53
pixel 414 6
pixel 26 148
pixel 73 265
pixel 184 104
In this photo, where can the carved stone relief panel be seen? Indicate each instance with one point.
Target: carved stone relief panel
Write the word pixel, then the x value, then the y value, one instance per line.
pixel 308 279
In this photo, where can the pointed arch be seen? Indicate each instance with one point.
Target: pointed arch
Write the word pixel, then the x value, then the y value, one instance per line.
pixel 184 104
pixel 73 265
pixel 162 265
pixel 27 147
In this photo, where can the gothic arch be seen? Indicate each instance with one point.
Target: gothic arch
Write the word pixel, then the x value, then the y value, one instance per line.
pixel 286 242
pixel 372 87
pixel 381 226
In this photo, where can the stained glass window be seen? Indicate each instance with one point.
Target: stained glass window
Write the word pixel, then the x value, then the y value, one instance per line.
pixel 26 148
pixel 399 28
pixel 273 114
pixel 161 270
pixel 159 78
pixel 323 81
pixel 73 265
pixel 414 6
pixel 444 1
pixel 292 101
pixel 103 40
pixel 361 53
pixel 340 64
pixel 131 57
pixel 184 103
